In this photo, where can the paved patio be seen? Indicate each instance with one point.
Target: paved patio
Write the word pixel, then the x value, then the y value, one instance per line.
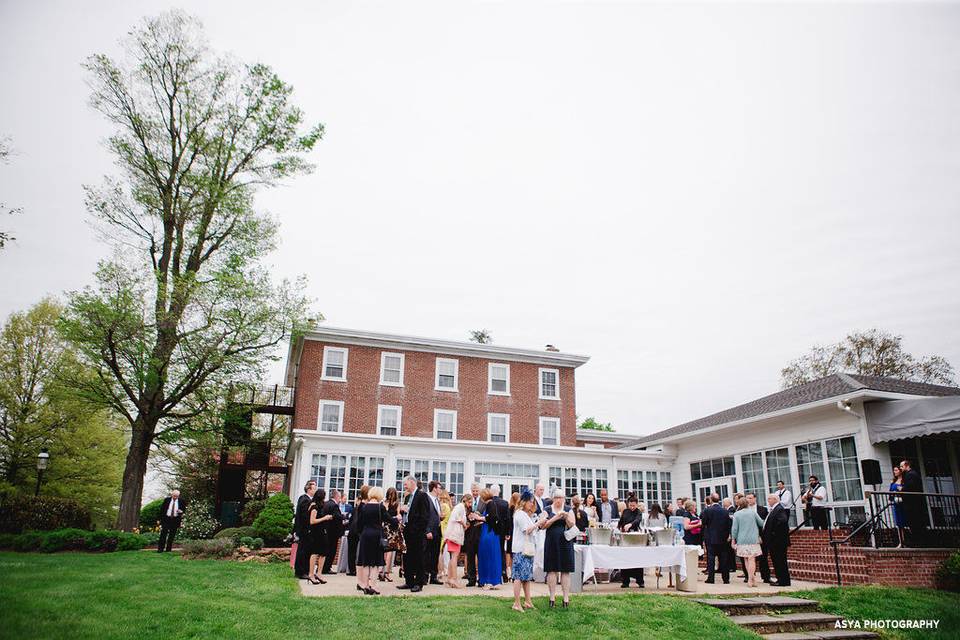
pixel 344 585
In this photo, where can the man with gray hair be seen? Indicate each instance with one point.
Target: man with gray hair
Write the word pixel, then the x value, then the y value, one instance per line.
pixel 335 529
pixel 776 539
pixel 416 512
pixel 171 515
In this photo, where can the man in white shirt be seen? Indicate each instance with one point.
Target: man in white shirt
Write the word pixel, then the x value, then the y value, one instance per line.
pixel 784 495
pixel 171 515
pixel 814 499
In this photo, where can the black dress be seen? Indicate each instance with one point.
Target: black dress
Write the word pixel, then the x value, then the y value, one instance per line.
pixel 370 522
pixel 557 550
pixel 318 532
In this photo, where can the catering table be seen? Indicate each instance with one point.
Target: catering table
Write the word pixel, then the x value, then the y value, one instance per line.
pixel 674 558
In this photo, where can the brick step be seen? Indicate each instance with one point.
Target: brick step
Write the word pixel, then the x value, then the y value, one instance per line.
pixel 787 622
pixel 760 605
pixel 828 634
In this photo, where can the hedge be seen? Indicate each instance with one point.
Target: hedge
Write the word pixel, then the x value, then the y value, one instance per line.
pixel 20 513
pixel 275 522
pixel 235 533
pixel 72 540
pixel 150 515
pixel 216 548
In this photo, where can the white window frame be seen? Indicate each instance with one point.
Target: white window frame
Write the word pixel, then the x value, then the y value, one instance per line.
pixel 556 372
pixel 323 371
pixel 456 375
pixel 338 403
pixel 436 421
pixel 556 421
pixel 490 390
pixel 380 408
pixel 383 359
pixel 490 417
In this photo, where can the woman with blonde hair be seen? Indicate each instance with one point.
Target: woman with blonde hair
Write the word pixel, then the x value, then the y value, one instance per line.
pixel 456 530
pixel 745 537
pixel 523 547
pixel 446 506
pixel 370 522
pixel 558 559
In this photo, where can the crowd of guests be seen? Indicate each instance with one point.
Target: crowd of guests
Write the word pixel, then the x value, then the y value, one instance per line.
pixel 424 533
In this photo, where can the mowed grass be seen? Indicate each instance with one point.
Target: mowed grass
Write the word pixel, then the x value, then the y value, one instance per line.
pixel 893 603
pixel 148 595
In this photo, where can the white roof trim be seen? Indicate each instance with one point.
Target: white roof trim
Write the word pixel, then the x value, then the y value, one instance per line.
pixel 593 435
pixel 449 347
pixel 505 446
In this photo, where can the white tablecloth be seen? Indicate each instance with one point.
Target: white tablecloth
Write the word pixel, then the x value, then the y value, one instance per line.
pixel 607 557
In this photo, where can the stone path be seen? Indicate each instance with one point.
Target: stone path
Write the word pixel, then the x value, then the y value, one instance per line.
pixel 783 618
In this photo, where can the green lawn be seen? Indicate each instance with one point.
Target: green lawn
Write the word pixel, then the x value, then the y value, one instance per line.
pixel 147 595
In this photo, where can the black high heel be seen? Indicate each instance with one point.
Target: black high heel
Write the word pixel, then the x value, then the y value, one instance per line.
pixel 370 591
pixel 553 603
pixel 359 588
pixel 565 604
pixel 313 580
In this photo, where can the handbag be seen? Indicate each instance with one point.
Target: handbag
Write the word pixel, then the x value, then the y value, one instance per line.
pixel 384 543
pixel 529 549
pixel 571 533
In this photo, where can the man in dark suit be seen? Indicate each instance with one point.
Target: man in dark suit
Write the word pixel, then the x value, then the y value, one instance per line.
pixel 416 513
pixel 335 529
pixel 301 527
pixel 914 506
pixel 504 525
pixel 776 539
pixel 431 552
pixel 716 537
pixel 607 510
pixel 471 539
pixel 171 515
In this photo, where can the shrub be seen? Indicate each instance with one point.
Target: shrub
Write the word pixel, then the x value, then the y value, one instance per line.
pixel 29 541
pixel 250 512
pixel 130 541
pixel 235 533
pixel 20 513
pixel 246 541
pixel 72 540
pixel 217 548
pixel 150 514
pixel 198 521
pixel 948 573
pixel 150 538
pixel 276 520
pixel 257 544
pixel 65 540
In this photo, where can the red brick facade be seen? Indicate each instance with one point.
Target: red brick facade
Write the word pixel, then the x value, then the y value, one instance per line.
pixel 362 393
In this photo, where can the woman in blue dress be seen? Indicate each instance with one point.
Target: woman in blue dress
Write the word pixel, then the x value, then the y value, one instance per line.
pixel 489 570
pixel 899 520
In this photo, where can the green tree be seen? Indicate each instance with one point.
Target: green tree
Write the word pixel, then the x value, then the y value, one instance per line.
pixel 481 336
pixel 873 353
pixel 38 409
pixel 185 305
pixel 590 423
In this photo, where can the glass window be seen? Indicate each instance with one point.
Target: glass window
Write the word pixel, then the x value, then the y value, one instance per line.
pixel 651 487
pixel 447 372
pixel 695 471
pixel 499 379
pixel 666 487
pixel 550 431
pixel 498 427
pixel 445 424
pixel 601 482
pixel 586 482
pixel 334 363
pixel 810 461
pixel 754 480
pixel 778 468
pixel 318 470
pixel 388 422
pixel 391 369
pixel 358 467
pixel 331 415
pixel 623 484
pixel 456 479
pixel 421 471
pixel 549 383
pixel 569 481
pixel 556 478
pixel 338 473
pixel 403 470
pixel 844 469
pixel 636 484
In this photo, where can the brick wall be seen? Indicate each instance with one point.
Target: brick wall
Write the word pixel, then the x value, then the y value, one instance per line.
pixel 362 392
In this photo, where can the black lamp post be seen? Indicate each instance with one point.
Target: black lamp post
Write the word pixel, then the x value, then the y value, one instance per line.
pixel 42 458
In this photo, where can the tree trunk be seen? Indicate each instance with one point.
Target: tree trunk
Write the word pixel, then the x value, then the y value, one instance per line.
pixel 133 473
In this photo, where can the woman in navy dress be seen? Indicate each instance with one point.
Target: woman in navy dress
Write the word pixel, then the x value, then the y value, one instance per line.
pixel 899 521
pixel 488 555
pixel 557 550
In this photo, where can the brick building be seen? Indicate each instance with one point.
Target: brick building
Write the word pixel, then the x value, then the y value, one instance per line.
pixel 371 408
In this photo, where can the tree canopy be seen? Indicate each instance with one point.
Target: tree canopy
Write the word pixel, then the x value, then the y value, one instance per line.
pixel 591 423
pixel 874 353
pixel 185 305
pixel 481 336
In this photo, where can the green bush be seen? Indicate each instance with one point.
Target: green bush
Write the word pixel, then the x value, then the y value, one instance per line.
pixel 275 522
pixel 250 512
pixel 150 515
pixel 72 540
pixel 20 513
pixel 257 544
pixel 948 573
pixel 198 521
pixel 245 541
pixel 235 533
pixel 218 548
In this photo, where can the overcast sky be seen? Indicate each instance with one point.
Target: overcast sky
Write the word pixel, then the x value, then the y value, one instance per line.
pixel 692 195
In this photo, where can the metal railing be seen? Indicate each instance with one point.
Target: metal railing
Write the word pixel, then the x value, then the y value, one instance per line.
pixel 265 396
pixel 902 518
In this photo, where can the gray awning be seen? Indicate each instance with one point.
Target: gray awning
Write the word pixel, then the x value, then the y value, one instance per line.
pixel 898 419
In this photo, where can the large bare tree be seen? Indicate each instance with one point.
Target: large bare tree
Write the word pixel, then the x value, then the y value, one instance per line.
pixel 185 305
pixel 873 353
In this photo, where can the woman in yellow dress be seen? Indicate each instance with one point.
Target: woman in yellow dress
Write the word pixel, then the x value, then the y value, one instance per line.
pixel 446 506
